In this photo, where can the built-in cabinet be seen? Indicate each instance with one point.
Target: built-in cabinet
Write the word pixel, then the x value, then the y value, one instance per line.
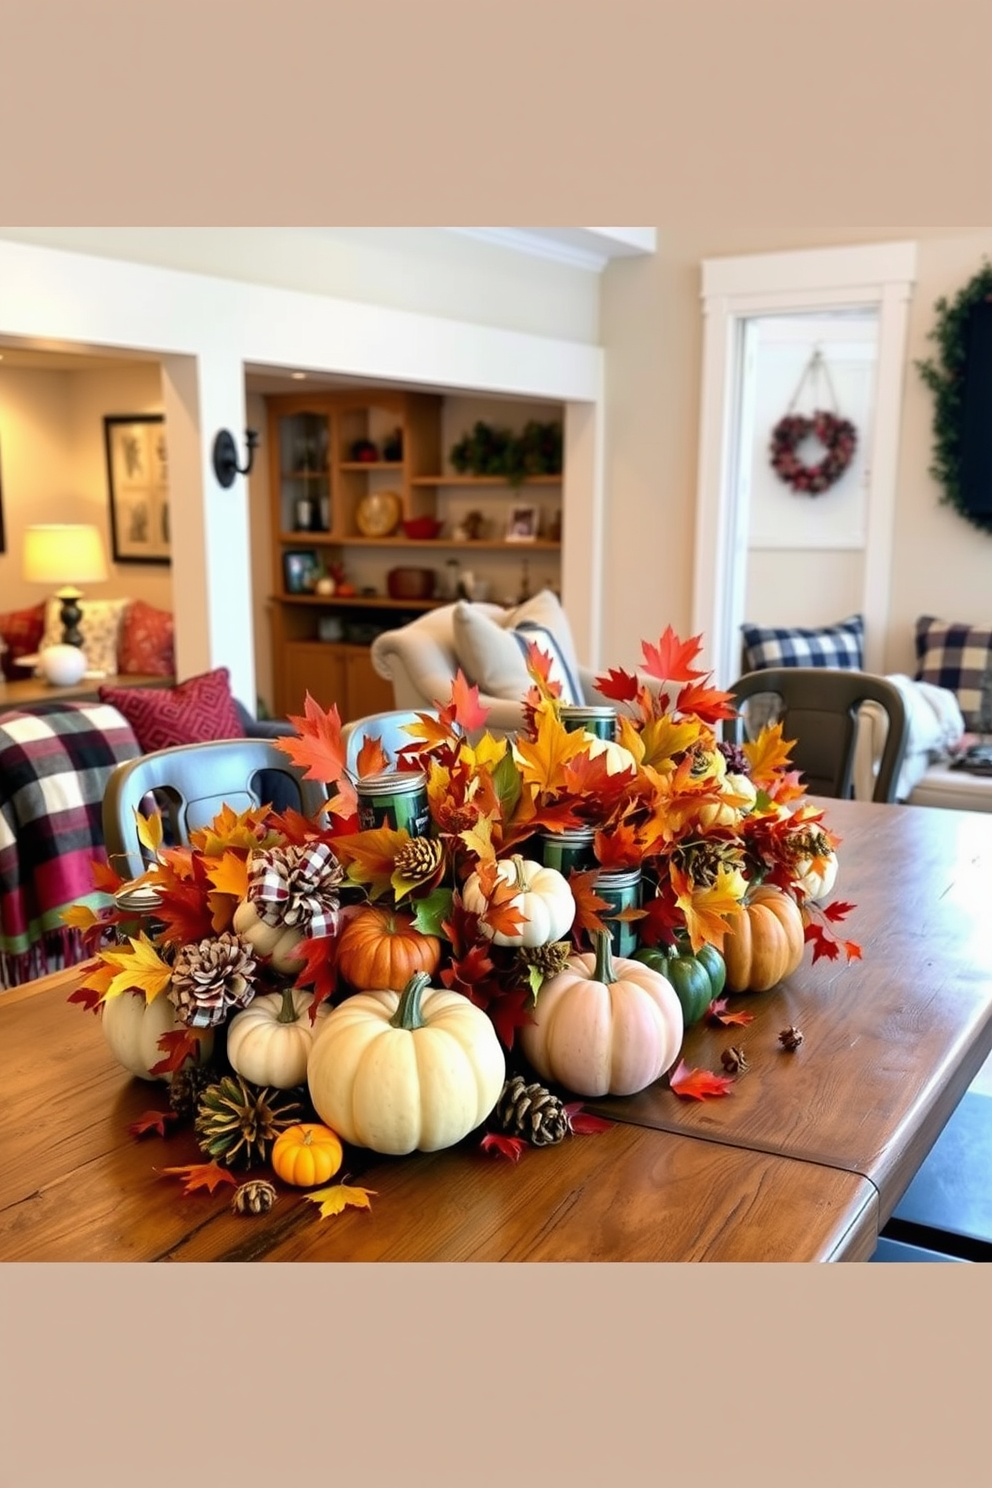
pixel 347 469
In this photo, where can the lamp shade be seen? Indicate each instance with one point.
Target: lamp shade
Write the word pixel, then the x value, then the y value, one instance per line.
pixel 62 553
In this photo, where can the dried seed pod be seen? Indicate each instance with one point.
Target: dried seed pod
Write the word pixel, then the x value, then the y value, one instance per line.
pixel 734 1060
pixel 790 1038
pixel 254 1197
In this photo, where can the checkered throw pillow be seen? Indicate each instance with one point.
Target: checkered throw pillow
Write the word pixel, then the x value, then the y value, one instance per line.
pixel 840 645
pixel 956 657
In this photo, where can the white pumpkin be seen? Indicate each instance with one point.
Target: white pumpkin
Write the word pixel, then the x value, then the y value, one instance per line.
pixel 816 876
pixel 133 1027
pixel 542 896
pixel 269 1042
pixel 738 795
pixel 618 759
pixel 276 943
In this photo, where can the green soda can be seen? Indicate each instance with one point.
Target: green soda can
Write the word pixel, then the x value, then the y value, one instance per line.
pixel 622 890
pixel 595 720
pixel 566 850
pixel 394 798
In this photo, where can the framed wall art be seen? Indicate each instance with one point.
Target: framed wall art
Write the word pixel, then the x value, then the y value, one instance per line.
pixel 138 483
pixel 301 569
pixel 522 526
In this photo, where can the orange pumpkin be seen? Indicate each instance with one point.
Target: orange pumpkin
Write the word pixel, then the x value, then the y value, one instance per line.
pixel 307 1154
pixel 765 941
pixel 380 948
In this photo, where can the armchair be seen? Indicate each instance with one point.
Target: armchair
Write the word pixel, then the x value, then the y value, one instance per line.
pixel 488 643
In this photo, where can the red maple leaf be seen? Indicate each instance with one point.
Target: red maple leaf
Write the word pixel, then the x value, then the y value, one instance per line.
pixel 698 1084
pixel 199 1175
pixel 669 660
pixel 588 904
pixel 498 1145
pixel 372 758
pixel 317 969
pixel 708 703
pixel 509 1011
pixel 719 1014
pixel 178 1045
pixel 617 684
pixel 466 708
pixel 87 998
pixel 837 910
pixel 583 1123
pixel 105 878
pixel 155 1121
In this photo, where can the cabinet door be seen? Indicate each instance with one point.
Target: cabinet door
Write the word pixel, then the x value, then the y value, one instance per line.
pixel 367 692
pixel 316 667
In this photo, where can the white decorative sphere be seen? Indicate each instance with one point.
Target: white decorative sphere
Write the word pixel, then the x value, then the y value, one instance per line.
pixel 62 666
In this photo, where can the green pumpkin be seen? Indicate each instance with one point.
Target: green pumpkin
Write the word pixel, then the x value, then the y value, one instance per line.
pixel 697 979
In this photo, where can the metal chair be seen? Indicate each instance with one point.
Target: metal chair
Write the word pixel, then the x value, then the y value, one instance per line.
pixel 386 727
pixel 192 782
pixel 819 710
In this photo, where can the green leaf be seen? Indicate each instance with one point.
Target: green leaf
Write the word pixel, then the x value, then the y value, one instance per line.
pixel 507 784
pixel 432 911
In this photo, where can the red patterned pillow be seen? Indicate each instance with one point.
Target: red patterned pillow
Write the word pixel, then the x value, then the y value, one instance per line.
pixel 147 641
pixel 22 631
pixel 193 712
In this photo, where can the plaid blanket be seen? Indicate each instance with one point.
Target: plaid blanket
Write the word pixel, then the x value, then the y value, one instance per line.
pixel 55 761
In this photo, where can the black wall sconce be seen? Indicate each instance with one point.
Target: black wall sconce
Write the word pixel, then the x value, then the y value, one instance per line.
pixel 226 465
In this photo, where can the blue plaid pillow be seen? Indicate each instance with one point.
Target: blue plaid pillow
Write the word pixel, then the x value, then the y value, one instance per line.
pixel 956 657
pixel 840 645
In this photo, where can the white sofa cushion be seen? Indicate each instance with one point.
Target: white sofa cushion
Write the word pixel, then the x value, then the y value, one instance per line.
pixel 492 648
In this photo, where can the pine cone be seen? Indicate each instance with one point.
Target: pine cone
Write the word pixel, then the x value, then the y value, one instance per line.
pixel 236 1122
pixel 549 959
pixel 254 1197
pixel 531 1111
pixel 210 978
pixel 187 1085
pixel 419 859
pixel 296 885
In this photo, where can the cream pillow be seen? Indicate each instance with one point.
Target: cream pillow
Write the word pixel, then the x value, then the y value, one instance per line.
pixel 100 627
pixel 492 651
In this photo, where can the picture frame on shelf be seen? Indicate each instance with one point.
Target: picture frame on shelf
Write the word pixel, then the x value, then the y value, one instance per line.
pixel 300 570
pixel 138 487
pixel 523 524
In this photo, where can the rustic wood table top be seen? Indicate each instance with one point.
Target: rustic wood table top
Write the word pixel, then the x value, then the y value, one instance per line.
pixel 803 1161
pixel 22 692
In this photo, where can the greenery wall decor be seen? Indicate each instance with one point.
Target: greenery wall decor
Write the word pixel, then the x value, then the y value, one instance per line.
pixel 946 375
pixel 487 450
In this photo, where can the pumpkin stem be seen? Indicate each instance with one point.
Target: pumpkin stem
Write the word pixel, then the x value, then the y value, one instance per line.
pixel 408 1014
pixel 518 866
pixel 288 1013
pixel 603 969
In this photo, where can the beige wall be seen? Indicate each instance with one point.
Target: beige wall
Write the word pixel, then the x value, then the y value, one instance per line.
pixel 652 335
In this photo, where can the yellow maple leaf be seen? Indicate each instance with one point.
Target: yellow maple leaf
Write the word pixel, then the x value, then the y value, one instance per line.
pixel 768 754
pixel 370 857
pixel 139 969
pixel 79 917
pixel 479 839
pixel 150 830
pixel 229 828
pixel 338 1197
pixel 665 739
pixel 541 760
pixel 230 875
pixel 706 906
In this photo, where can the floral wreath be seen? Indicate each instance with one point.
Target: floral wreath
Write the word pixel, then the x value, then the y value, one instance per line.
pixel 838 435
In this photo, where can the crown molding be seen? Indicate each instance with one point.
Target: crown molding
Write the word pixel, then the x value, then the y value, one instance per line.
pixel 589 248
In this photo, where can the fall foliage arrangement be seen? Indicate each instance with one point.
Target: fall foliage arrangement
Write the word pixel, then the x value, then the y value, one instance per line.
pixel 468 942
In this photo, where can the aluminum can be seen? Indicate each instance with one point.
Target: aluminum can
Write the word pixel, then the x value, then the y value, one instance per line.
pixel 567 850
pixel 595 720
pixel 622 889
pixel 394 798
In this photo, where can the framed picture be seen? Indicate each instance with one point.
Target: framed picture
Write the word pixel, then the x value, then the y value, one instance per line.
pixel 522 526
pixel 300 568
pixel 138 481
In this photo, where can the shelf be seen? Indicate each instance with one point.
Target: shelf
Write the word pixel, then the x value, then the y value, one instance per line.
pixel 357 601
pixel 306 474
pixel 537 544
pixel 370 464
pixel 493 482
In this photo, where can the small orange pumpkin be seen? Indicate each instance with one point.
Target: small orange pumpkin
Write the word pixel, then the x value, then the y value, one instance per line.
pixel 765 941
pixel 307 1154
pixel 381 948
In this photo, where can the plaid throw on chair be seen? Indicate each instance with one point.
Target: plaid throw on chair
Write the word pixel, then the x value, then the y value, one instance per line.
pixel 54 765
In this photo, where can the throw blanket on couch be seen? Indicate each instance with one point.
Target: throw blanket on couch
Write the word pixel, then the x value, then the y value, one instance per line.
pixel 55 761
pixel 934 724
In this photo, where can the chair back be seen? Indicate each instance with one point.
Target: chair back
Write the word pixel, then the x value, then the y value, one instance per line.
pixel 387 727
pixel 819 711
pixel 192 782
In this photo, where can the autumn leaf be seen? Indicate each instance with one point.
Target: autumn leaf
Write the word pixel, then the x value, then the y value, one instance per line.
pixel 338 1197
pixel 669 661
pixel 583 1123
pixel 370 857
pixel 317 747
pixel 720 1015
pixel 588 904
pixel 706 906
pixel 837 910
pixel 431 911
pixel 151 832
pixel 479 839
pixel 372 758
pixel 496 1144
pixel 200 1175
pixel 768 754
pixel 230 875
pixel 619 685
pixel 80 917
pixel 139 969
pixel 178 1045
pixel 105 878
pixel 705 702
pixel 698 1084
pixel 543 758
pixel 152 1121
pixel 317 969
pixel 469 713
pixel 88 998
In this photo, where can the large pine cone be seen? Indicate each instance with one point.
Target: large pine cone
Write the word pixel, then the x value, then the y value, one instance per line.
pixel 531 1111
pixel 210 978
pixel 237 1122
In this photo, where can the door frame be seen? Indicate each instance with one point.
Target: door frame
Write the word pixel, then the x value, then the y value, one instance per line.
pixel 735 290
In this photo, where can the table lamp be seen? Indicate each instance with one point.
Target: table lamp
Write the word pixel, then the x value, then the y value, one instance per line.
pixel 66 555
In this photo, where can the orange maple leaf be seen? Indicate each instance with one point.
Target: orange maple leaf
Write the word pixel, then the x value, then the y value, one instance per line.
pixel 706 906
pixel 768 754
pixel 669 660
pixel 105 878
pixel 152 1121
pixel 372 758
pixel 199 1175
pixel 179 1045
pixel 719 1014
pixel 370 857
pixel 588 905
pixel 317 748
pixel 705 702
pixel 698 1084
pixel 468 711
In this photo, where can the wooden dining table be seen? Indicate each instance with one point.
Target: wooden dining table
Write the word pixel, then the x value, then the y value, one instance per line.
pixel 803 1160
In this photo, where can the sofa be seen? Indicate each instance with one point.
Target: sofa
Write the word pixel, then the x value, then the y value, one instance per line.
pixel 55 760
